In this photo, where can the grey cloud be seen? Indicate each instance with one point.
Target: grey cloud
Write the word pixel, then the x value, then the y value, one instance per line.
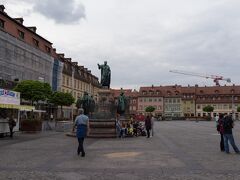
pixel 61 11
pixel 207 42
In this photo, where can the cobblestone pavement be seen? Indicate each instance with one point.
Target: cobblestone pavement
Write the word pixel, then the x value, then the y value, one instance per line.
pixel 179 150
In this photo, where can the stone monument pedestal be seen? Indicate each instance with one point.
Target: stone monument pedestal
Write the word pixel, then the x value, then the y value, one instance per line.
pixel 105 100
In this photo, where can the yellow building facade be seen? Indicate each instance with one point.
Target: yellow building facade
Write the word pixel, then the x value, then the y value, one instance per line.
pixel 77 80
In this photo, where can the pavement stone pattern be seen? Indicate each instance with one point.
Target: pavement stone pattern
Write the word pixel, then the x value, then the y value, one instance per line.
pixel 179 150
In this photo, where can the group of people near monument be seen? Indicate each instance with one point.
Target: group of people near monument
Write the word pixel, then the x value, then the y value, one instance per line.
pixel 225 125
pixel 134 128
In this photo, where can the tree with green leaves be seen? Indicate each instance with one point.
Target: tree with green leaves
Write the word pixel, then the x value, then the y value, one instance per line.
pixel 150 109
pixel 62 99
pixel 34 91
pixel 208 109
pixel 238 109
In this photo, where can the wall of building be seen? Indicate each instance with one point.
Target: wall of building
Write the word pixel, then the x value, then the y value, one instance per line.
pixel 188 107
pixel 21 61
pixel 12 27
pixel 173 107
pixel 57 75
pixel 154 101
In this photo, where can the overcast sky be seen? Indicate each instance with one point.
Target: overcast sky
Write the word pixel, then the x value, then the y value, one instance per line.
pixel 141 39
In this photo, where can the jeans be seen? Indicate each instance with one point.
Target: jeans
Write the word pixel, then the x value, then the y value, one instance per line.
pixel 148 132
pixel 11 131
pixel 80 146
pixel 222 142
pixel 229 137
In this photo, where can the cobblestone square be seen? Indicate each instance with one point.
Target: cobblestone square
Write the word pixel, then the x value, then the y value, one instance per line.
pixel 178 150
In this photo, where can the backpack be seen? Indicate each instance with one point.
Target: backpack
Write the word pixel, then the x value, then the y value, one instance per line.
pixel 227 123
pixel 220 127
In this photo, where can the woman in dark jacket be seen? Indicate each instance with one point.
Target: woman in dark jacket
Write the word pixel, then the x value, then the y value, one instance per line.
pixel 148 125
pixel 221 130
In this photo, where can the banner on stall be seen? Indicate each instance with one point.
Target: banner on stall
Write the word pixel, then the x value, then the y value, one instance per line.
pixel 9 97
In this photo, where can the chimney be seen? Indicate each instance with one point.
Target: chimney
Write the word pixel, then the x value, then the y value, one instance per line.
pixel 54 49
pixel 75 63
pixel 2 7
pixel 33 28
pixel 61 55
pixel 19 20
pixel 68 59
pixel 196 85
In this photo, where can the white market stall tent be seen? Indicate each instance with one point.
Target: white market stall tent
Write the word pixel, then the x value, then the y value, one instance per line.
pixel 10 106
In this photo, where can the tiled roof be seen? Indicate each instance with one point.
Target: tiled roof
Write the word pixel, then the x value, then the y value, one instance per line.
pixel 127 92
pixel 176 90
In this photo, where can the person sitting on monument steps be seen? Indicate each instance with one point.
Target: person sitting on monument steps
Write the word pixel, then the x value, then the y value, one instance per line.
pixel 82 124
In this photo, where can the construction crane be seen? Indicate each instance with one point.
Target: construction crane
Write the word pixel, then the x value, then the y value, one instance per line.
pixel 215 78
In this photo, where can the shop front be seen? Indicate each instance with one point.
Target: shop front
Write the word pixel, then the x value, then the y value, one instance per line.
pixel 10 107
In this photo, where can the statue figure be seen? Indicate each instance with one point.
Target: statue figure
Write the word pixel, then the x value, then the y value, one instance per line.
pixel 92 104
pixel 122 103
pixel 105 74
pixel 84 103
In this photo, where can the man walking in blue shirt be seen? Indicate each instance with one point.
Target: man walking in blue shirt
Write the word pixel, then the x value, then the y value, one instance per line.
pixel 82 124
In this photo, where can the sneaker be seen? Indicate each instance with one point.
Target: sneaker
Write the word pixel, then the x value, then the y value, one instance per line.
pixel 83 154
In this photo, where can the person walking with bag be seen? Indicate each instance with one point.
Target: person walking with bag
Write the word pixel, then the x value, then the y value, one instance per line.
pixel 82 124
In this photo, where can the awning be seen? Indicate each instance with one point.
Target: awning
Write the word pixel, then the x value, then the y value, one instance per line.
pixel 19 107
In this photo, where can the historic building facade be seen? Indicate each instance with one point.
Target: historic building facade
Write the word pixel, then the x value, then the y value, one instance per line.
pixel 178 101
pixel 188 101
pixel 77 80
pixel 172 101
pixel 25 55
pixel 224 99
pixel 150 96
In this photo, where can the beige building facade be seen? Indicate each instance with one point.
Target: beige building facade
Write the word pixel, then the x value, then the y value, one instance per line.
pixel 77 80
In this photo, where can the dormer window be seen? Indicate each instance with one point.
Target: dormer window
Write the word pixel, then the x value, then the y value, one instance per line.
pixel 36 42
pixel 2 23
pixel 21 34
pixel 168 93
pixel 48 49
